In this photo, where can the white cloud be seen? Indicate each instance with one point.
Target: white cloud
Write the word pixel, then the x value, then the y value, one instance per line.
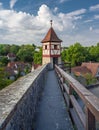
pixel 0 5
pixel 96 16
pixel 55 9
pixel 73 26
pixel 96 31
pixel 62 1
pixel 86 38
pixel 44 14
pixel 91 28
pixel 77 12
pixel 23 28
pixel 88 21
pixel 12 3
pixel 94 8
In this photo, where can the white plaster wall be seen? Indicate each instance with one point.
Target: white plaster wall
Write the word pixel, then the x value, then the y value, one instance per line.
pixel 46 60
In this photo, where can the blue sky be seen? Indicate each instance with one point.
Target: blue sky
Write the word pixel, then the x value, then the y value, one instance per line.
pixel 27 21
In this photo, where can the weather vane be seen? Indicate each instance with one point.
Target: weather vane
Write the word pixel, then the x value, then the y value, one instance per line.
pixel 51 22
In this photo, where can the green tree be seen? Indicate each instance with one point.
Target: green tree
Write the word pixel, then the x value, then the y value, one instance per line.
pixel 94 53
pixel 4 49
pixel 75 54
pixel 64 55
pixel 38 57
pixel 4 61
pixel 3 81
pixel 98 44
pixel 26 53
pixel 87 54
pixel 14 49
pixel 90 79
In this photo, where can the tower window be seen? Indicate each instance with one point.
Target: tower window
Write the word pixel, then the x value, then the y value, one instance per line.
pixel 55 46
pixel 45 46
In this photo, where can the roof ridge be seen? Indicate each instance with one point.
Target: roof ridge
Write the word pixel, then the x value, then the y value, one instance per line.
pixel 51 36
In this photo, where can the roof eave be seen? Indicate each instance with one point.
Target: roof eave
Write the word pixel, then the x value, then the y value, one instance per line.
pixel 51 41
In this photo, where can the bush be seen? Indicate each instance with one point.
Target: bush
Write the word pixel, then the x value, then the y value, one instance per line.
pixel 4 83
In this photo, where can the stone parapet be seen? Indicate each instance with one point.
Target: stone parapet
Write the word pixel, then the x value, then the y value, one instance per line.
pixel 19 100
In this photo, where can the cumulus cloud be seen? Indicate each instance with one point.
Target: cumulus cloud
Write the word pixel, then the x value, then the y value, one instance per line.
pixel 97 32
pixel 94 8
pixel 96 16
pixel 88 21
pixel 62 1
pixel 0 5
pixel 91 28
pixel 23 28
pixel 77 12
pixel 55 9
pixel 73 26
pixel 12 3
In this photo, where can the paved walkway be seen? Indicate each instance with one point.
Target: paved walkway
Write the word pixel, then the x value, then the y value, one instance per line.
pixel 51 112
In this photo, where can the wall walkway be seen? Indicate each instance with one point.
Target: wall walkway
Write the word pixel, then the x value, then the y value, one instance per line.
pixel 51 113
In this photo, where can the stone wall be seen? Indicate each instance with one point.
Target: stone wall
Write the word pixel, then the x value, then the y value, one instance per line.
pixel 19 100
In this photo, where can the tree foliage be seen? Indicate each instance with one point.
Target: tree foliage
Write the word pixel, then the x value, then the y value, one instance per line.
pixel 76 54
pixel 94 53
pixel 3 61
pixel 26 53
pixel 38 56
pixel 90 79
pixel 3 81
pixel 14 49
pixel 4 49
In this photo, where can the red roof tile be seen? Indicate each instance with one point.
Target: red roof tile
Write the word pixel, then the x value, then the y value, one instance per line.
pixel 51 37
pixel 93 67
pixel 89 67
pixel 15 65
pixel 80 70
pixel 10 71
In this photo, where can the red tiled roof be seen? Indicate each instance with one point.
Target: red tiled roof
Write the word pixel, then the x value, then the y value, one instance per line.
pixel 10 71
pixel 80 70
pixel 16 65
pixel 93 67
pixel 85 68
pixel 51 37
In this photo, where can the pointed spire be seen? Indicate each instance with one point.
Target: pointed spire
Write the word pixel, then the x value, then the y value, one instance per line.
pixel 51 36
pixel 51 21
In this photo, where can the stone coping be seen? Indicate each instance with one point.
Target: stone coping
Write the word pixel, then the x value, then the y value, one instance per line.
pixel 11 95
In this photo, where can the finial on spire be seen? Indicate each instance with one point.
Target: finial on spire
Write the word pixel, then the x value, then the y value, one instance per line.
pixel 51 22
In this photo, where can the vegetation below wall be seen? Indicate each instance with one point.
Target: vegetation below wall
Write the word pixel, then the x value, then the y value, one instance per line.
pixel 76 54
pixel 24 53
pixel 4 81
pixel 88 79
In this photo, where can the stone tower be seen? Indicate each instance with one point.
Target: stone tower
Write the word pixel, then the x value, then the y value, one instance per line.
pixel 51 48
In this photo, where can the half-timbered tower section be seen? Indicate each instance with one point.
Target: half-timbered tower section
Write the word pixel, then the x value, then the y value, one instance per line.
pixel 51 45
